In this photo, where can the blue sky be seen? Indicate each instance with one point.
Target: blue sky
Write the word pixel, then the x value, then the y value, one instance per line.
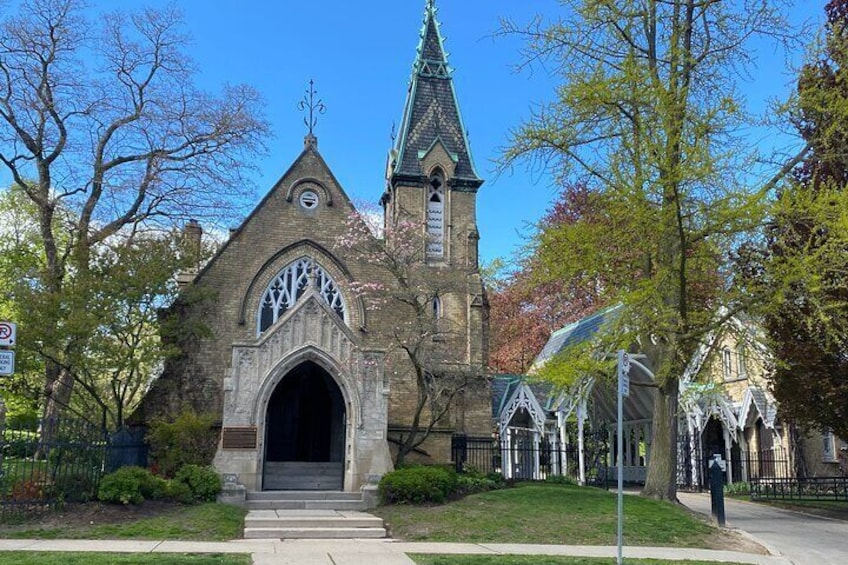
pixel 360 56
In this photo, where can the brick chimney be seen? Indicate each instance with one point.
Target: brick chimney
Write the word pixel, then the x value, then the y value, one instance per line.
pixel 193 238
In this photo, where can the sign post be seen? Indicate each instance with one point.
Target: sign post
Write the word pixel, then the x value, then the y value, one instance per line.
pixel 623 392
pixel 8 334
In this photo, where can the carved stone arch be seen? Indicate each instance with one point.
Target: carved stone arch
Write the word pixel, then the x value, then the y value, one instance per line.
pixel 313 183
pixel 279 260
pixel 345 382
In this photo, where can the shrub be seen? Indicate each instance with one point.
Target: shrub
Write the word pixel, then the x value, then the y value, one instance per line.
pixel 131 485
pixel 120 487
pixel 76 487
pixel 418 485
pixel 190 439
pixel 471 483
pixel 27 491
pixel 561 480
pixel 19 444
pixel 179 492
pixel 203 482
pixel 737 489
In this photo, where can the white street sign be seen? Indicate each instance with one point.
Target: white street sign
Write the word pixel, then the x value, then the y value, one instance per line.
pixel 624 373
pixel 7 363
pixel 8 330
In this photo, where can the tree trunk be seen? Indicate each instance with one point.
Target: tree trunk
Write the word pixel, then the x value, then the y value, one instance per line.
pixel 661 482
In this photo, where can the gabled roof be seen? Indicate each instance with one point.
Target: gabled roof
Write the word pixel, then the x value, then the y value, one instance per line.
pixel 310 150
pixel 763 401
pixel 574 334
pixel 739 322
pixel 432 112
pixel 504 388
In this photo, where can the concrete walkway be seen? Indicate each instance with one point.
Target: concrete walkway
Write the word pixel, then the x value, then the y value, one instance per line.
pixel 801 538
pixel 374 552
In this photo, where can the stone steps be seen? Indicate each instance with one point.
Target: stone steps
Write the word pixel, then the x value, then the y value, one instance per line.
pixel 303 495
pixel 304 500
pixel 312 524
pixel 302 475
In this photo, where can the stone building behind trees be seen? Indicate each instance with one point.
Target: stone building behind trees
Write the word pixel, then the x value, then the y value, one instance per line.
pixel 306 378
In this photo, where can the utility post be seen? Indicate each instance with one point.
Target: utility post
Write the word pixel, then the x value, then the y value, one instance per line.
pixel 623 392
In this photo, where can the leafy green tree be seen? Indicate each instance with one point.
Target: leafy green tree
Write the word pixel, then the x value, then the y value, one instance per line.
pixel 102 127
pixel 802 275
pixel 648 110
pixel 128 281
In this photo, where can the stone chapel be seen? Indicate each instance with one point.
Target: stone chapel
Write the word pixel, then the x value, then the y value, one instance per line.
pixel 311 390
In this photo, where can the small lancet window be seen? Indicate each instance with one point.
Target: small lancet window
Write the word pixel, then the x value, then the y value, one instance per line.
pixel 290 284
pixel 436 215
pixel 740 361
pixel 726 364
pixel 436 308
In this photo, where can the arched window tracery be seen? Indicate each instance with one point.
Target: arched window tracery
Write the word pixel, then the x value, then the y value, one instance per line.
pixel 290 284
pixel 436 214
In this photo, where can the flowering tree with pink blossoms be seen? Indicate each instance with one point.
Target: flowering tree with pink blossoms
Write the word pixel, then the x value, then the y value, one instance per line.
pixel 421 336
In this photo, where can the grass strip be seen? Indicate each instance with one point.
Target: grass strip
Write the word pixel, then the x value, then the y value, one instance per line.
pixel 203 522
pixel 539 560
pixel 64 558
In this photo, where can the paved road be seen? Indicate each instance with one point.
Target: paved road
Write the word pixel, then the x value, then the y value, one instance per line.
pixel 804 539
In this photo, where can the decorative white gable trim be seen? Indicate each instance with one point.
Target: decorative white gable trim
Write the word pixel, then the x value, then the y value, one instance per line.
pixel 763 402
pixel 701 402
pixel 523 397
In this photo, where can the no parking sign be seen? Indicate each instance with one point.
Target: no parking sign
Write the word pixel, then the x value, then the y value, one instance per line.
pixel 8 331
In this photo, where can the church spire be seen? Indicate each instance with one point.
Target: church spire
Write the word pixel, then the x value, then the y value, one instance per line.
pixel 431 114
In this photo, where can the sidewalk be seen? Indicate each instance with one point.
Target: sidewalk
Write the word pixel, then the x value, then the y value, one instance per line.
pixel 374 552
pixel 801 538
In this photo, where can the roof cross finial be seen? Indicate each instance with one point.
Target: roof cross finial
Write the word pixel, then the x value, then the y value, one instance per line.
pixel 314 107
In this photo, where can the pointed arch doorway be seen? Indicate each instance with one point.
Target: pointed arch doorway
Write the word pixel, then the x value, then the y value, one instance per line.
pixel 305 432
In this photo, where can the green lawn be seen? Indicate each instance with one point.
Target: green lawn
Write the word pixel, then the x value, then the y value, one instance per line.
pixel 539 560
pixel 62 558
pixel 553 514
pixel 203 522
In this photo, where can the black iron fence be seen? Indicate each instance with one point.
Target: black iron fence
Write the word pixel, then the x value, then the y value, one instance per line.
pixel 744 466
pixel 811 488
pixel 526 456
pixel 59 461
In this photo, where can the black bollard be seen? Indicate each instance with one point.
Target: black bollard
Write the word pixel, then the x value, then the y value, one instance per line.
pixel 717 492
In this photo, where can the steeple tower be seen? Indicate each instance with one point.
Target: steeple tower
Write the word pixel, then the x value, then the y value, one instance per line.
pixel 431 115
pixel 430 178
pixel 430 174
